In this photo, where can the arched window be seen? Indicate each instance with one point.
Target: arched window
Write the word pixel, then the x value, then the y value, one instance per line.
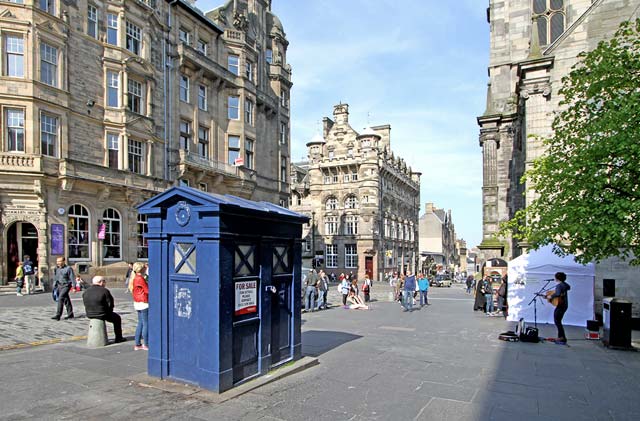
pixel 142 245
pixel 549 17
pixel 351 202
pixel 331 203
pixel 112 249
pixel 78 232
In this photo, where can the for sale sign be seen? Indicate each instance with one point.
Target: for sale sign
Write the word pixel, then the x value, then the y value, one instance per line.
pixel 246 297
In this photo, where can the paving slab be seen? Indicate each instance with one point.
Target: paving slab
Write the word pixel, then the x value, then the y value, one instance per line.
pixel 443 362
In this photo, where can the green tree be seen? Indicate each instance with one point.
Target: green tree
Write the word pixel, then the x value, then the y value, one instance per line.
pixel 587 183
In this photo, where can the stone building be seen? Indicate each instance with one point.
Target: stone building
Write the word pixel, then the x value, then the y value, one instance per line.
pixel 106 103
pixel 362 200
pixel 437 239
pixel 533 44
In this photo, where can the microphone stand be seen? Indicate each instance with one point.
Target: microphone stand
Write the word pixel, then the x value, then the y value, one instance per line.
pixel 535 302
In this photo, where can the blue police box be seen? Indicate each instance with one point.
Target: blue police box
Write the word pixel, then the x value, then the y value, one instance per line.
pixel 224 287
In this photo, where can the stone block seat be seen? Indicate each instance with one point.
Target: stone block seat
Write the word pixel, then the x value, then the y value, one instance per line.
pixel 97 336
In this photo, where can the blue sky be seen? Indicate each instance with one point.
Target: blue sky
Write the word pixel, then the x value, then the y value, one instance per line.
pixel 418 65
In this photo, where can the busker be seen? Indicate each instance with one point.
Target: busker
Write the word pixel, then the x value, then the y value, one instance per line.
pixel 562 294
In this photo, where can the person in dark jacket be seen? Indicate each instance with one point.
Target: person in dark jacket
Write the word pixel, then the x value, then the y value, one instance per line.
pixel 98 304
pixel 480 301
pixel 561 292
pixel 63 281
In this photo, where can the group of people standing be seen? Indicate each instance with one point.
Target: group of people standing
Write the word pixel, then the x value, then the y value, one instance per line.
pixel 99 303
pixel 485 294
pixel 406 288
pixel 351 293
pixel 25 276
pixel 316 290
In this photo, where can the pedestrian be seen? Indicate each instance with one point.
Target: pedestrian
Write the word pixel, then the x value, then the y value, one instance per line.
pixel 99 304
pixel 19 279
pixel 354 286
pixel 63 282
pixel 502 296
pixel 487 290
pixel 78 284
pixel 323 289
pixel 141 305
pixel 393 283
pixel 480 302
pixel 400 289
pixel 310 290
pixel 409 290
pixel 128 277
pixel 366 288
pixel 469 282
pixel 345 287
pixel 29 274
pixel 561 293
pixel 423 285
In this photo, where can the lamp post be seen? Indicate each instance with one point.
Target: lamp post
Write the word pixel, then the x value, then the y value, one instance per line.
pixel 313 239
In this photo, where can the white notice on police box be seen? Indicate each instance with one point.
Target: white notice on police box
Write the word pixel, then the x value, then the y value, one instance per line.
pixel 246 297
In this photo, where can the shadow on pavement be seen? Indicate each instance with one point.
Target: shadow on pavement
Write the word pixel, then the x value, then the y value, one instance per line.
pixel 317 342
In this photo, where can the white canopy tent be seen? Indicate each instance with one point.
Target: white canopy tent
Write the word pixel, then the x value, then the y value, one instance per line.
pixel 530 272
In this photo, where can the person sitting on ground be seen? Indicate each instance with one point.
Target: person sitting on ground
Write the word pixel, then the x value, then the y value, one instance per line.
pixel 99 303
pixel 355 303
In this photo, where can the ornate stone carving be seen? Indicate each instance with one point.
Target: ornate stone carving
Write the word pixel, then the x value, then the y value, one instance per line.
pixel 240 22
pixel 9 216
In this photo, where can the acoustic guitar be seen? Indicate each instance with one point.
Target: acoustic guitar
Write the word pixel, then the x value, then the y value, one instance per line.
pixel 555 300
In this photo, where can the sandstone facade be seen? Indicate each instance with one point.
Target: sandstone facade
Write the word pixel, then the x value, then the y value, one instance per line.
pixel 106 103
pixel 362 201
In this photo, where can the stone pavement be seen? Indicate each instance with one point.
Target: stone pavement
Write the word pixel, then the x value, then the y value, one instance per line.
pixel 443 362
pixel 27 320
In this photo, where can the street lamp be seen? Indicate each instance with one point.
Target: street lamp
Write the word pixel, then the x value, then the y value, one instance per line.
pixel 313 239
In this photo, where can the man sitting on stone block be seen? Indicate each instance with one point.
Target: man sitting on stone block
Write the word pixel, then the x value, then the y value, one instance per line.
pixel 98 304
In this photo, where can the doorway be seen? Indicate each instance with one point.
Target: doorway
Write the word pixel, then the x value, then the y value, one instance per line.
pixel 368 266
pixel 22 238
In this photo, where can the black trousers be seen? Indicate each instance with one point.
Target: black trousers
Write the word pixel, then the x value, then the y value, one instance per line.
pixel 558 314
pixel 64 300
pixel 113 318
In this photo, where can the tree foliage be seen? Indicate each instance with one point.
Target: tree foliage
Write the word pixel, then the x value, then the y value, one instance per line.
pixel 587 183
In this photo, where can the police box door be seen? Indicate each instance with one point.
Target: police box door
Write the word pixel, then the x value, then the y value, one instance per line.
pixel 281 304
pixel 183 293
pixel 246 311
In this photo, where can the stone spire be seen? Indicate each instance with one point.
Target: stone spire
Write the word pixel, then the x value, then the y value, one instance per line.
pixel 534 44
pixel 489 107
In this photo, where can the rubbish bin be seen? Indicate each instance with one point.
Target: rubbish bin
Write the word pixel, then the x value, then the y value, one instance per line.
pixel 224 287
pixel 616 315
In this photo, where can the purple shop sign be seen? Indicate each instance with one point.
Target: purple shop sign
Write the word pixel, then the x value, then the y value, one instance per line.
pixel 57 239
pixel 102 229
